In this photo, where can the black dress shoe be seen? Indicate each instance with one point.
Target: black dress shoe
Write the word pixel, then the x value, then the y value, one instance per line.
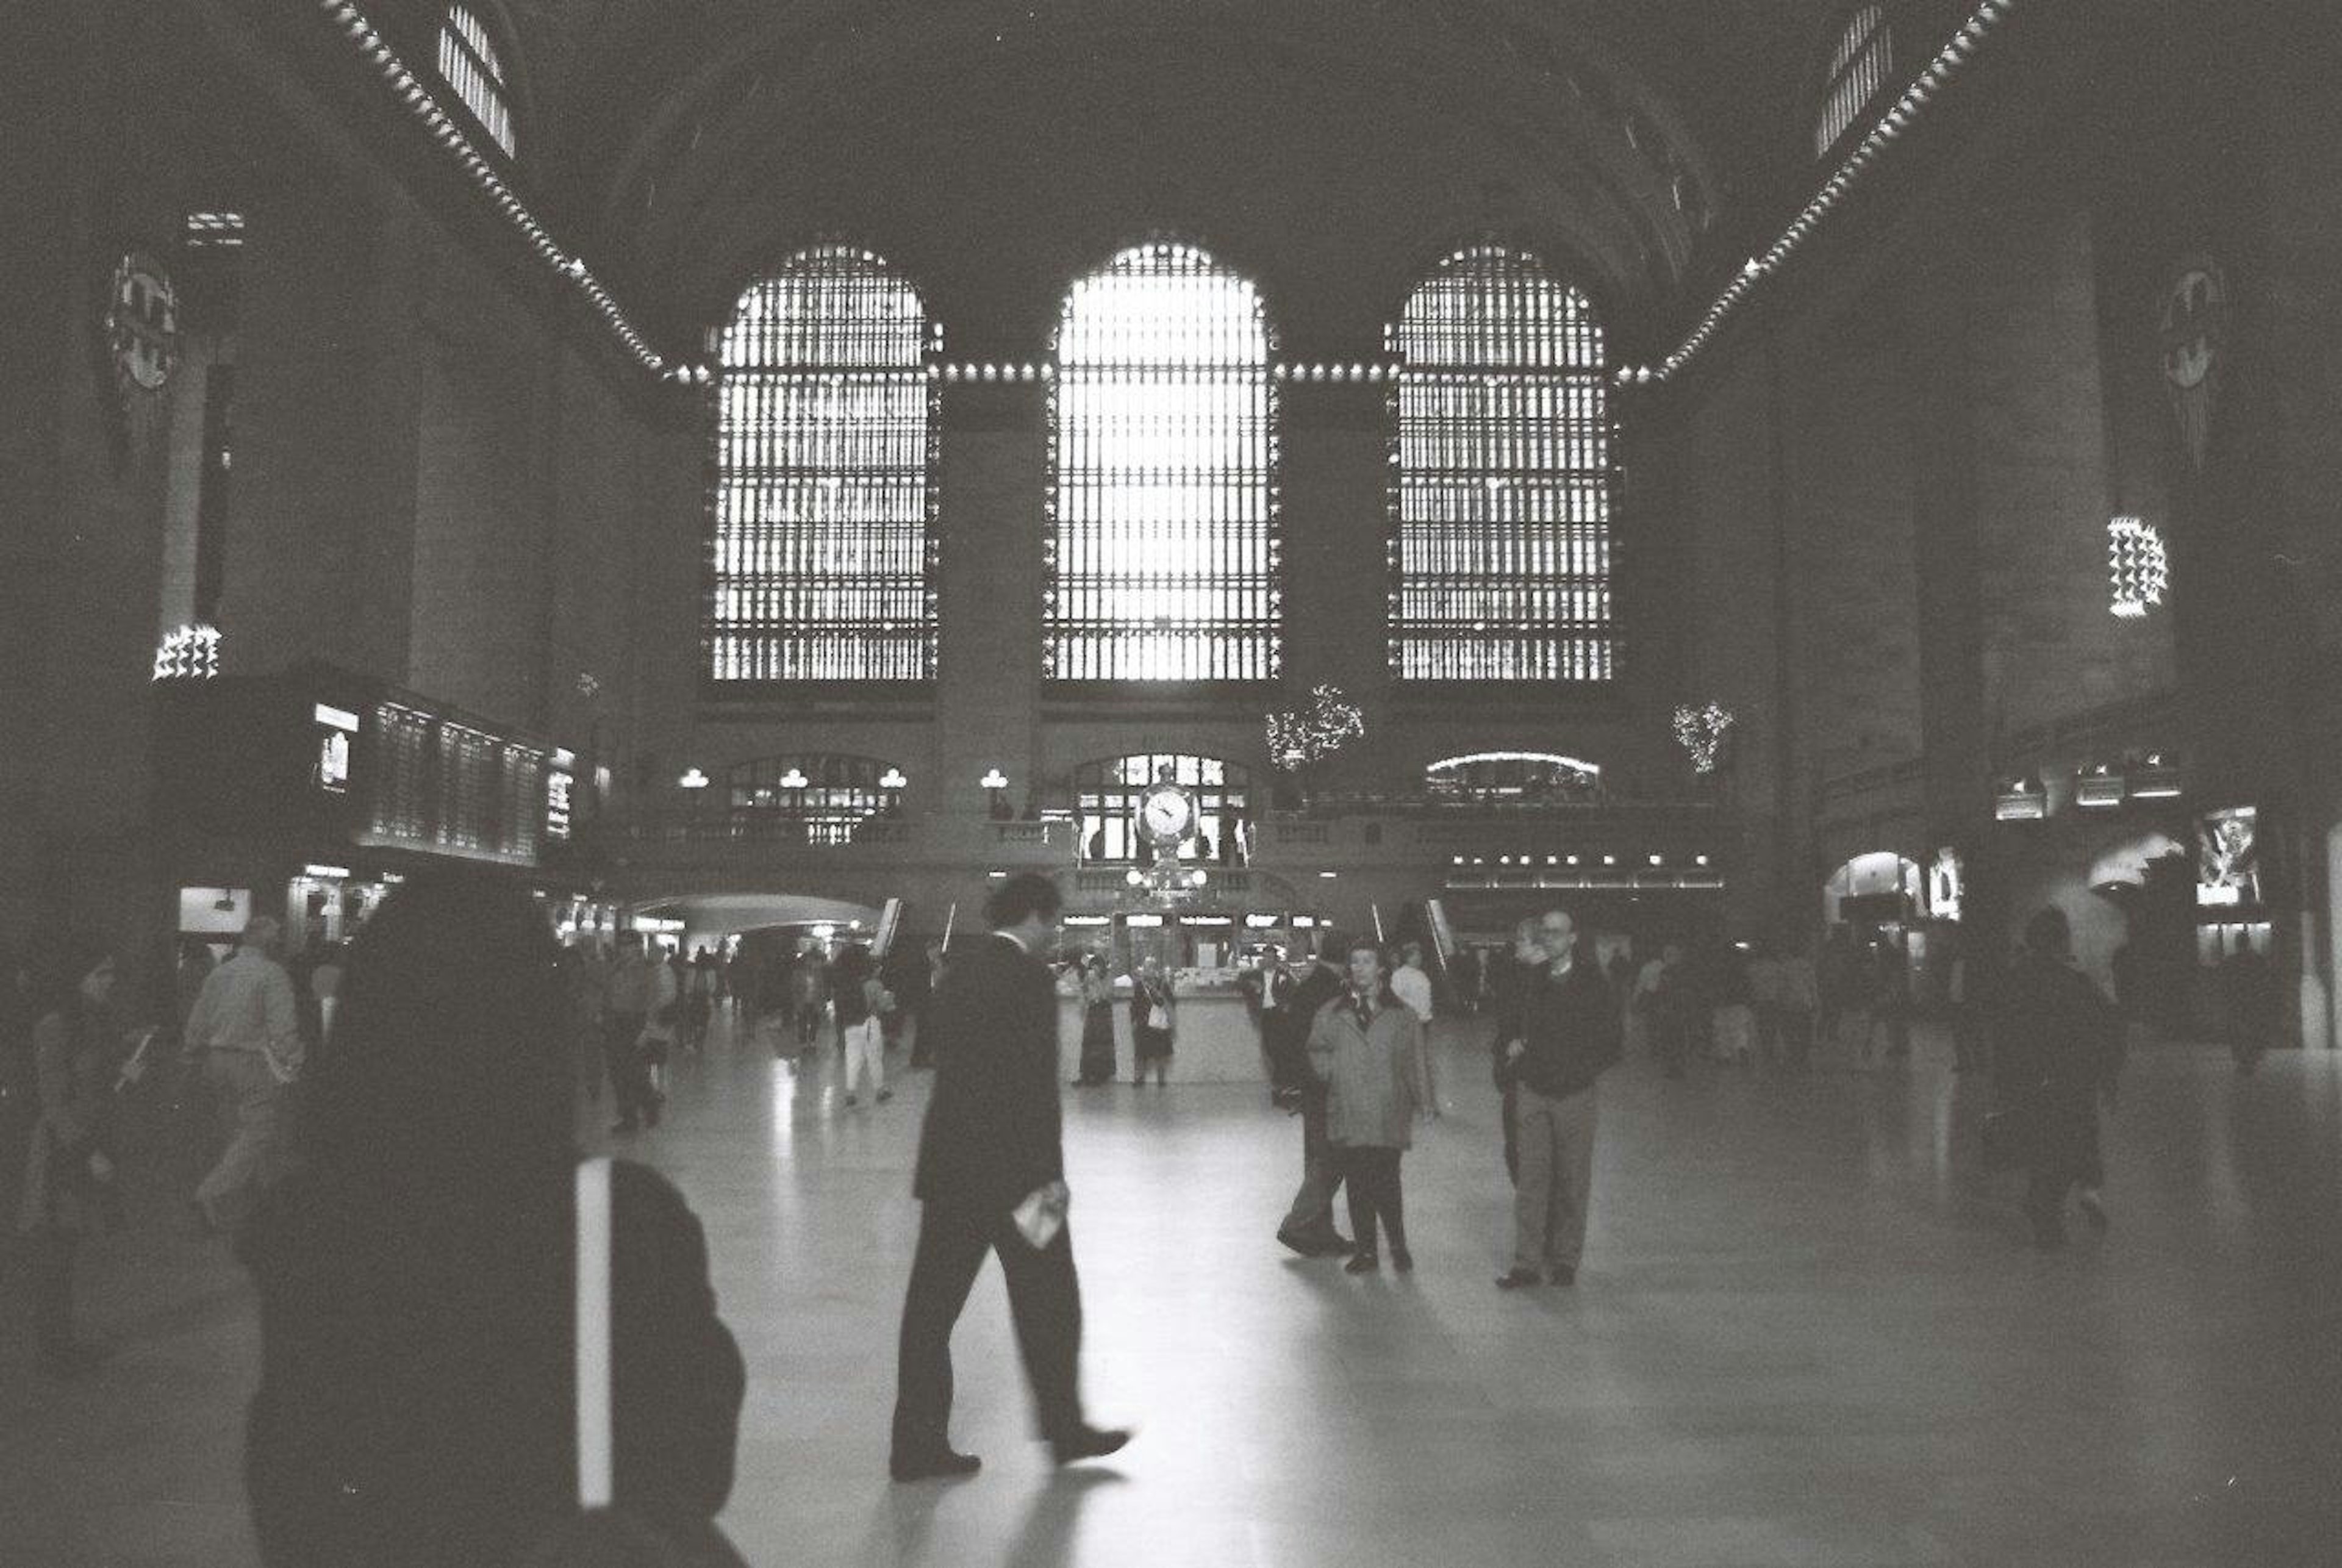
pixel 1299 1240
pixel 1564 1276
pixel 1402 1260
pixel 1517 1279
pixel 1361 1264
pixel 942 1462
pixel 1089 1443
pixel 1332 1243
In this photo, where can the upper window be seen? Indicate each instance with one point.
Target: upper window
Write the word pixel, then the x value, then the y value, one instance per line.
pixel 824 536
pixel 468 63
pixel 823 797
pixel 1502 501
pixel 1163 543
pixel 1858 70
pixel 1108 796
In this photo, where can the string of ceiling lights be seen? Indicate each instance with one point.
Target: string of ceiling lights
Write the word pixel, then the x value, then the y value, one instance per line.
pixel 1949 61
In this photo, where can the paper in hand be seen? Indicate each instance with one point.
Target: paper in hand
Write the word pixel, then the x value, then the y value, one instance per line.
pixel 1039 1217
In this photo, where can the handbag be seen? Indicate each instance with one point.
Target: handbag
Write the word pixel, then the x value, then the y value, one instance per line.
pixel 1158 1017
pixel 601 1534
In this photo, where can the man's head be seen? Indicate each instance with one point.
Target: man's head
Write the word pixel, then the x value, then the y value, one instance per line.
pixel 1558 934
pixel 262 932
pixel 1024 906
pixel 1528 941
pixel 1365 961
pixel 1412 954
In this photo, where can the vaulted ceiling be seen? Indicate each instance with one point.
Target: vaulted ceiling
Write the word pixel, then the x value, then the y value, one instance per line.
pixel 1331 147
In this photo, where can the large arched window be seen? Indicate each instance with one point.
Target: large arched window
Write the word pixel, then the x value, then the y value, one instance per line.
pixel 824 535
pixel 1163 545
pixel 1858 63
pixel 1502 536
pixel 469 64
pixel 1107 796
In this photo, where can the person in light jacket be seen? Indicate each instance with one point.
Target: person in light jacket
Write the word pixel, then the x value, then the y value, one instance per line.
pixel 1365 1046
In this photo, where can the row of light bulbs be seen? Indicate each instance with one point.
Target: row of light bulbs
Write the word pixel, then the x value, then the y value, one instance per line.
pixel 412 92
pixel 1948 64
pixel 1557 860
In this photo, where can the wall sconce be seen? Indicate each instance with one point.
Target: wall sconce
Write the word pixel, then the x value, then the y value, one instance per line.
pixel 893 779
pixel 692 779
pixel 794 779
pixel 2023 799
pixel 993 779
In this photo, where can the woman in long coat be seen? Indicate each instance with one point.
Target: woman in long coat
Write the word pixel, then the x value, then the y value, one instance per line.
pixel 82 1060
pixel 1365 1046
pixel 1154 1021
pixel 2058 1048
pixel 1097 1023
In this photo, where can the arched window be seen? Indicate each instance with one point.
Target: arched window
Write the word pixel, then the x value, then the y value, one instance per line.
pixel 1514 778
pixel 824 535
pixel 468 63
pixel 1163 543
pixel 1502 503
pixel 1858 64
pixel 823 796
pixel 1107 796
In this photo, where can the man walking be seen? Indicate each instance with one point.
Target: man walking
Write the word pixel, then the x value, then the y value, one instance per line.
pixel 246 1027
pixel 991 1178
pixel 1570 1035
pixel 636 983
pixel 1308 1227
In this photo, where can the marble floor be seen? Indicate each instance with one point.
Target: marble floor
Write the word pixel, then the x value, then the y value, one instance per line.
pixel 1808 1333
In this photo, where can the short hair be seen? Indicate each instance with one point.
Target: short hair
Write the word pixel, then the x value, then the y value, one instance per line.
pixel 1529 925
pixel 262 930
pixel 1562 910
pixel 1357 945
pixel 1018 899
pixel 2049 932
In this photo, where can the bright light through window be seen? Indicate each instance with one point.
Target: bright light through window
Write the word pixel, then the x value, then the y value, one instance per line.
pixel 468 63
pixel 1163 551
pixel 1502 567
pixel 824 507
pixel 1858 70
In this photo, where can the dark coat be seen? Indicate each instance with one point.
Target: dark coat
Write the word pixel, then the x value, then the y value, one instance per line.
pixel 2057 1044
pixel 1288 1042
pixel 993 1132
pixel 1571 1028
pixel 430 1422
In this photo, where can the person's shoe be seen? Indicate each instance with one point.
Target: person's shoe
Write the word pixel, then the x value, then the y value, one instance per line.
pixel 1517 1279
pixel 941 1464
pixel 1332 1243
pixel 2094 1209
pixel 1363 1262
pixel 1563 1274
pixel 885 1095
pixel 1088 1443
pixel 624 1125
pixel 1301 1241
pixel 852 1101
pixel 1402 1261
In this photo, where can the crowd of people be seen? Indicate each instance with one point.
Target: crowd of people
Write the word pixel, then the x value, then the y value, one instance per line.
pixel 397 1138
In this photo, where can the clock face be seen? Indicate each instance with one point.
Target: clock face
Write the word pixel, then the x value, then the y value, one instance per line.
pixel 1166 814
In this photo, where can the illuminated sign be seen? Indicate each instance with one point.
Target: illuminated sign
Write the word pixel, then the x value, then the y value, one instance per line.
pixel 1205 920
pixel 2227 858
pixel 1089 920
pixel 327 872
pixel 557 785
pixel 1260 922
pixel 1143 920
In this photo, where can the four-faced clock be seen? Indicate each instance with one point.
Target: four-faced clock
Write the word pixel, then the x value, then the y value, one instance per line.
pixel 1166 815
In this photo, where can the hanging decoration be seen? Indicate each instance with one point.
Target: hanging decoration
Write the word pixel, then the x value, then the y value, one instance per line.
pixel 189 653
pixel 2195 336
pixel 1701 732
pixel 1299 737
pixel 442 128
pixel 1949 61
pixel 2140 570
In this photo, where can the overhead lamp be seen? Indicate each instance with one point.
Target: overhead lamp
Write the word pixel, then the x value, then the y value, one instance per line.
pixel 893 779
pixel 692 779
pixel 993 779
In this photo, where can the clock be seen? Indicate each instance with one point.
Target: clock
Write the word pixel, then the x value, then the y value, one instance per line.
pixel 1166 815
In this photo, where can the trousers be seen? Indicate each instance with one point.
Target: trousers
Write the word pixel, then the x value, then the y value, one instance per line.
pixel 1044 1301
pixel 622 1055
pixel 866 1052
pixel 1321 1174
pixel 1555 1191
pixel 1372 1175
pixel 246 1096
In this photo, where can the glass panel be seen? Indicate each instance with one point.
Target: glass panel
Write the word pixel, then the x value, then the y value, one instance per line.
pixel 468 64
pixel 823 509
pixel 1163 560
pixel 1858 69
pixel 1505 474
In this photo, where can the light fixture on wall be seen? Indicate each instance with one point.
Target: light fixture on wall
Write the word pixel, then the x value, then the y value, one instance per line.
pixel 794 779
pixel 692 779
pixel 189 653
pixel 992 779
pixel 2025 799
pixel 893 779
pixel 2138 566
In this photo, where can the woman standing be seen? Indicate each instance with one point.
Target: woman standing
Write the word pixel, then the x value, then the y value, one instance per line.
pixel 1097 1023
pixel 1153 1023
pixel 1363 1047
pixel 83 1061
pixel 862 1004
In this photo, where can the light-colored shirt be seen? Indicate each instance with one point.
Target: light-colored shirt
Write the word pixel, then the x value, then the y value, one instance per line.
pixel 246 1004
pixel 1413 986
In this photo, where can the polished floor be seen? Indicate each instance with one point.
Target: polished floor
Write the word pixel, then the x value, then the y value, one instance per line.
pixel 1808 1332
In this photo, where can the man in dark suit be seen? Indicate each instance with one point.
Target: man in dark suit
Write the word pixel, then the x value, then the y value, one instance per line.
pixel 991 1175
pixel 1308 1227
